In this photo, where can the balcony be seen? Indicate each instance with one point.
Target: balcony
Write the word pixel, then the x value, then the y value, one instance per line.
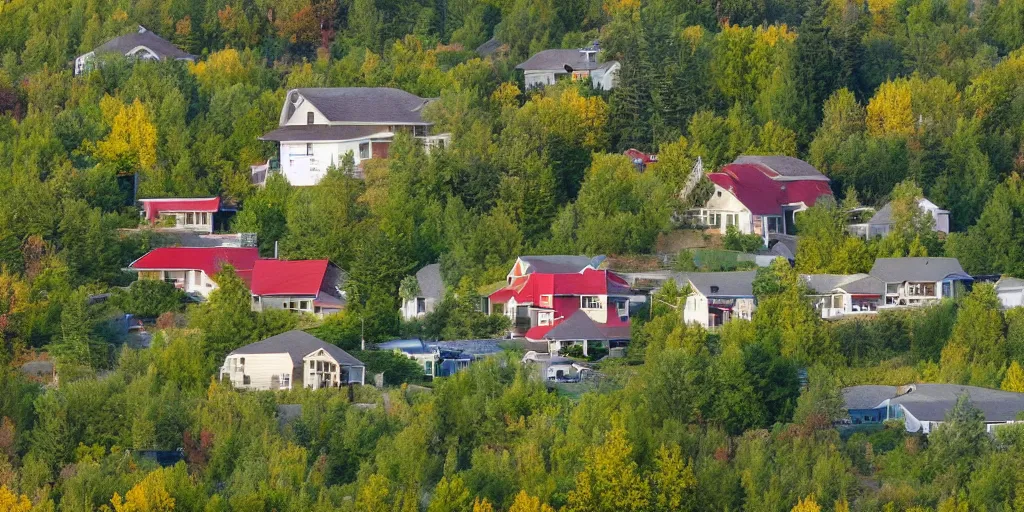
pixel 260 172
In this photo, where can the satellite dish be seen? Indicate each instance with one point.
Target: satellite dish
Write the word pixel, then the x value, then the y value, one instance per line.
pixel 568 68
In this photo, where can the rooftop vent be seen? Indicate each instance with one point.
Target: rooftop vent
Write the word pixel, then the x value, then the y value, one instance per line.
pixel 714 289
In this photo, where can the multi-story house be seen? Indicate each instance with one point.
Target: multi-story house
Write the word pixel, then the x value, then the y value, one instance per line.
pixel 919 281
pixel 564 301
pixel 717 297
pixel 319 126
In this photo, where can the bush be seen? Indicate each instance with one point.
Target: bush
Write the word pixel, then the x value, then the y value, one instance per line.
pixel 397 368
pixel 736 241
pixel 148 298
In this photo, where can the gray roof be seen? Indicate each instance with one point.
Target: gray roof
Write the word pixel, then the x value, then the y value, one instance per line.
pixel 1009 283
pixel 786 167
pixel 883 217
pixel 473 347
pixel 297 344
pixel 487 49
pixel 850 283
pixel 126 43
pixel 867 397
pixel 429 279
pixel 728 284
pixel 580 326
pixel 366 104
pixel 931 402
pixel 413 346
pixel 314 132
pixel 558 264
pixel 898 270
pixel 556 60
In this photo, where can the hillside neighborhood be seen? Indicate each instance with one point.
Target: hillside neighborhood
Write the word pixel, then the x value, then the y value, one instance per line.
pixel 522 256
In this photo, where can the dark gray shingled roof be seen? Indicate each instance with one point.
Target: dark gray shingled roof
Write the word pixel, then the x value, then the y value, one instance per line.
pixel 850 283
pixel 560 264
pixel 429 279
pixel 730 284
pixel 488 48
pixel 314 132
pixel 298 344
pixel 882 217
pixel 366 104
pixel 126 43
pixel 580 326
pixel 556 60
pixel 867 397
pixel 931 402
pixel 410 346
pixel 784 166
pixel 898 270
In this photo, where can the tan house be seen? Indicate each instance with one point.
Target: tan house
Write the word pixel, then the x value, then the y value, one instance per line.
pixel 289 360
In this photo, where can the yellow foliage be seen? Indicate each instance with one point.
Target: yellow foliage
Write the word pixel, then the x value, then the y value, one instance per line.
pixel 1014 380
pixel 622 7
pixel 132 137
pixel 506 96
pixel 482 505
pixel 10 502
pixel 149 495
pixel 693 35
pixel 842 505
pixel 807 505
pixel 526 503
pixel 223 67
pixel 889 111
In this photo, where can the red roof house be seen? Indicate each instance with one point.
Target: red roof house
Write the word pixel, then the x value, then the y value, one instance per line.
pixel 760 194
pixel 186 213
pixel 587 306
pixel 192 268
pixel 311 286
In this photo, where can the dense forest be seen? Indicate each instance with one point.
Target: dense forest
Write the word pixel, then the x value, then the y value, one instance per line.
pixel 892 99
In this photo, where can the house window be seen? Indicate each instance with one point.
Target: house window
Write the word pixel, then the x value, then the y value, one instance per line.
pixel 197 277
pixel 732 219
pixel 774 224
pixel 310 118
pixel 312 365
pixel 590 302
pixel 304 305
pixel 421 305
pixel 420 131
pixel 544 318
pixel 206 218
pixel 428 367
pixel 364 150
pixel 286 380
pixel 309 149
pixel 190 218
pixel 246 380
pixel 714 219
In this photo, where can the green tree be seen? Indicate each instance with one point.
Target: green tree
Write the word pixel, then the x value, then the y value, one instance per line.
pixel 226 319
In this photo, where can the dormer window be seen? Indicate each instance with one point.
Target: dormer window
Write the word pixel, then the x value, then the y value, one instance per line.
pixel 310 117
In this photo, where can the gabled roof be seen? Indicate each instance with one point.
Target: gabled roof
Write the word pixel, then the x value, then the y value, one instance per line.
pixel 867 396
pixel 783 168
pixel 489 47
pixel 556 60
pixel 883 217
pixel 898 270
pixel 559 264
pixel 763 195
pixel 208 259
pixel 854 284
pixel 1009 283
pixel 588 282
pixel 374 105
pixel 154 207
pixel 931 402
pixel 579 326
pixel 297 344
pixel 279 277
pixel 430 282
pixel 158 45
pixel 721 284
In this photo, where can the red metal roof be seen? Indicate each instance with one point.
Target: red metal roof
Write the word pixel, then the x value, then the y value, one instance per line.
pixel 207 259
pixel 278 277
pixel 761 194
pixel 153 207
pixel 588 282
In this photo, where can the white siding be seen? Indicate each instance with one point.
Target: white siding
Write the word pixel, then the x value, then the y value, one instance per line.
pixel 261 368
pixel 696 310
pixel 299 116
pixel 723 201
pixel 599 315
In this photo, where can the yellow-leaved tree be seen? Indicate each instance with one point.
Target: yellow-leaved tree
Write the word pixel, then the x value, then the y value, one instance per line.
pixel 610 483
pixel 807 505
pixel 482 505
pixel 149 495
pixel 131 143
pixel 673 480
pixel 526 503
pixel 889 112
pixel 1014 380
pixel 11 502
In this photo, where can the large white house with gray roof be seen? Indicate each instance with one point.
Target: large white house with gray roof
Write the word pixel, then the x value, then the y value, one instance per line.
pixel 717 297
pixel 920 281
pixel 923 407
pixel 289 360
pixel 319 126
pixel 545 67
pixel 881 222
pixel 139 45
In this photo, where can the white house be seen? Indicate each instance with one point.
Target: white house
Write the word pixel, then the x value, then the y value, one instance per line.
pixel 1011 292
pixel 139 45
pixel 289 360
pixel 837 295
pixel 545 67
pixel 191 269
pixel 881 222
pixel 717 297
pixel 319 126
pixel 301 286
pixel 760 195
pixel 923 407
pixel 431 293
pixel 919 281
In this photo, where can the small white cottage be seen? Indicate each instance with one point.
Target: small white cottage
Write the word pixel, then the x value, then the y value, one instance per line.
pixel 291 359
